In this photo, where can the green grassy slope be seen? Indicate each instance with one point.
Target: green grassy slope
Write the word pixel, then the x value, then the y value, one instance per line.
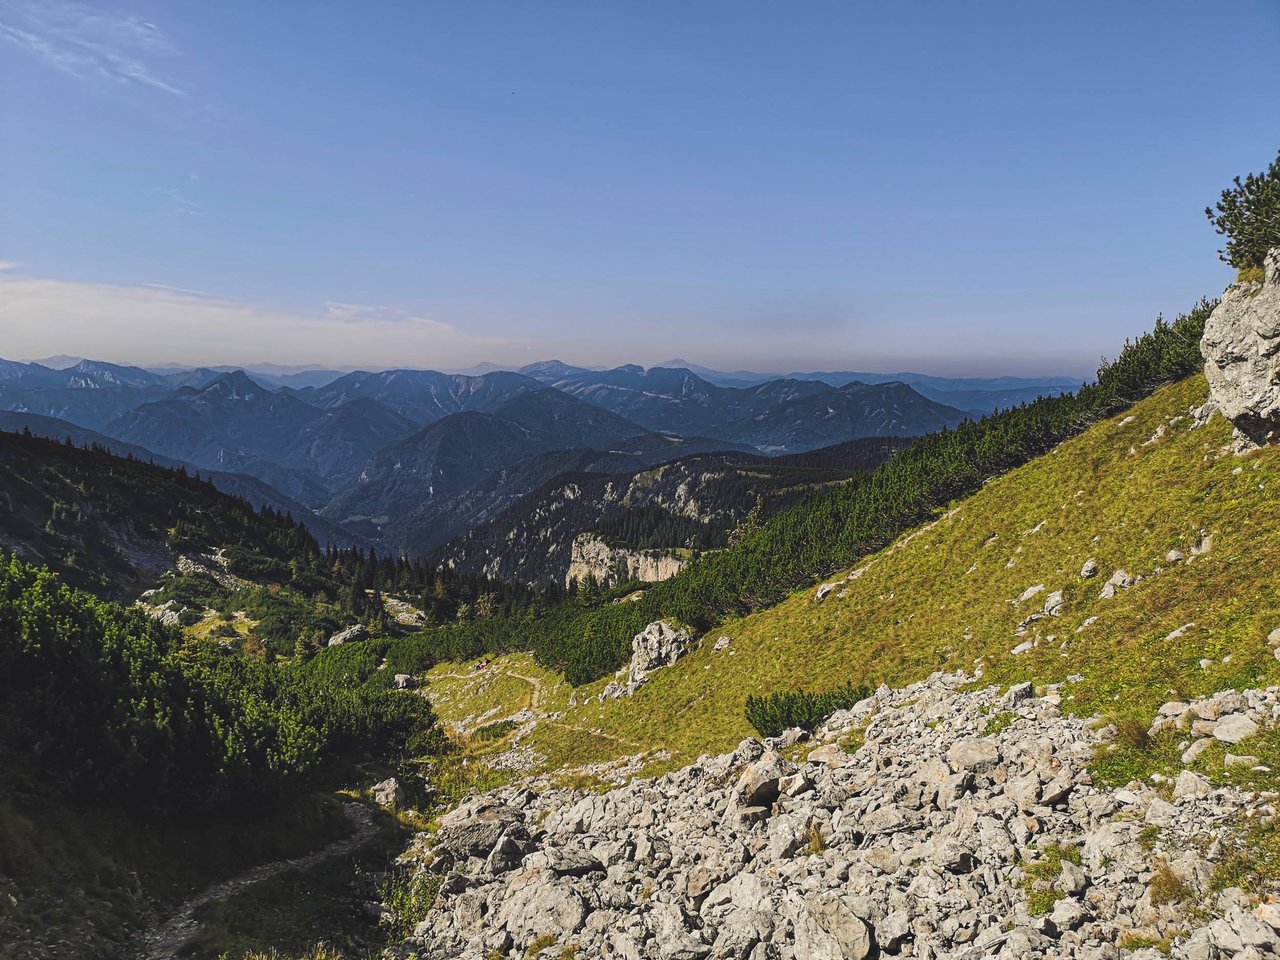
pixel 940 598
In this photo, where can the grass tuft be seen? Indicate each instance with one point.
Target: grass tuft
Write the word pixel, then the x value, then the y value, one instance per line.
pixel 1167 886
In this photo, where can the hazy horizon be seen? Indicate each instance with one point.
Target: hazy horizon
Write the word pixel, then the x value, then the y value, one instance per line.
pixel 271 368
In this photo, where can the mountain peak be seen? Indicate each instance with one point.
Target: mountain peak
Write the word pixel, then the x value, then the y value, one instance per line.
pixel 236 385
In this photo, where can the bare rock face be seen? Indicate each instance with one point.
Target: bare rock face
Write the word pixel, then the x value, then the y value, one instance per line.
pixel 1241 348
pixel 593 560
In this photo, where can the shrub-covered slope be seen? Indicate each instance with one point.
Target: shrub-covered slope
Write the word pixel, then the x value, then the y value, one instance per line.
pixel 116 733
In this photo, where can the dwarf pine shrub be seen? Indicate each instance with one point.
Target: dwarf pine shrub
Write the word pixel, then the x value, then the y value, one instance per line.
pixel 780 711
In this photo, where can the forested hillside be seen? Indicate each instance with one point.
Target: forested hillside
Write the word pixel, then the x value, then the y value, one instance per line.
pixel 114 524
pixel 697 502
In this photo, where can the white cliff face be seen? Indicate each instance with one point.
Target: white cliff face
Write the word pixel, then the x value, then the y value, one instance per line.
pixel 1241 348
pixel 593 559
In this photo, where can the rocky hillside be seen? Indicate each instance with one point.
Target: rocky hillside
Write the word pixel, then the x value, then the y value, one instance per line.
pixel 1071 751
pixel 933 821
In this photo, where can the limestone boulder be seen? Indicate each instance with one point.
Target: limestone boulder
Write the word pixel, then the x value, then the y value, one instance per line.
pixel 1241 348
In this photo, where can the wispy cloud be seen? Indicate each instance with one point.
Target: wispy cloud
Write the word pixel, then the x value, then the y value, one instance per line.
pixel 96 45
pixel 179 203
pixel 364 313
pixel 152 323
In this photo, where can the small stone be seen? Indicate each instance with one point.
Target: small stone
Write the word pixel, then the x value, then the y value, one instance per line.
pixel 973 755
pixel 1018 693
pixel 829 754
pixel 1073 879
pixel 1188 784
pixel 1269 913
pixel 1030 592
pixel 1090 569
pixel 1192 752
pixel 354 632
pixel 1067 915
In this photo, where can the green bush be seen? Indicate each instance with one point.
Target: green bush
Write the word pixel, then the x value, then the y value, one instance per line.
pixel 800 708
pixel 495 731
pixel 1248 215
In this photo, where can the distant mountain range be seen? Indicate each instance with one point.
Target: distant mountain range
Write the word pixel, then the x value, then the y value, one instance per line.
pixel 409 460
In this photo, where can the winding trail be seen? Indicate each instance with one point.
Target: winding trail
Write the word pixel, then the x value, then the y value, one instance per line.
pixel 163 940
pixel 535 701
pixel 535 704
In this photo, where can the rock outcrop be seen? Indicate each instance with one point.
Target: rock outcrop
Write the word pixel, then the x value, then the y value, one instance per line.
pixel 357 631
pixel 932 839
pixel 657 645
pixel 594 561
pixel 1241 348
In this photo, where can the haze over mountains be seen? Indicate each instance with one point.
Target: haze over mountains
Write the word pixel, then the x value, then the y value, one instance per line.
pixel 410 460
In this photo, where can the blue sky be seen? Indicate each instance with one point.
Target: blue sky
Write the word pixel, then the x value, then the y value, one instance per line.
pixel 951 187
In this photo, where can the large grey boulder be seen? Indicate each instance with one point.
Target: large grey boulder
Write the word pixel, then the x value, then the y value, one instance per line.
pixel 1241 348
pixel 657 645
pixel 829 930
pixel 536 907
pixel 387 793
pixel 759 784
pixel 1234 728
pixel 474 828
pixel 357 631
